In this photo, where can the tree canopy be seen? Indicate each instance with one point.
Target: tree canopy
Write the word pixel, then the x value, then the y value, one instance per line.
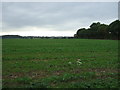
pixel 100 31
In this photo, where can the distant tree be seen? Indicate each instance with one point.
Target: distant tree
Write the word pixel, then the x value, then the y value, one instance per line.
pixel 94 26
pixel 79 32
pixel 94 30
pixel 100 31
pixel 75 35
pixel 114 29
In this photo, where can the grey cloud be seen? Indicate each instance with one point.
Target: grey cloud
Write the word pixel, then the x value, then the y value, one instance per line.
pixel 61 16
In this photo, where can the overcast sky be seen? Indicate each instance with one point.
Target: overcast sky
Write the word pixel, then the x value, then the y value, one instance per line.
pixel 54 19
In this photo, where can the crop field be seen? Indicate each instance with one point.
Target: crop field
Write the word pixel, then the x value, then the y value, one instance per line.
pixel 59 63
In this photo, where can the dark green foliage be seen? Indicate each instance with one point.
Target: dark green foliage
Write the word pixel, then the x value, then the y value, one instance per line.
pixel 100 31
pixel 94 26
pixel 114 29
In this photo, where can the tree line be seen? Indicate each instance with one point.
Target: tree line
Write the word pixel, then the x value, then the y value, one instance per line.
pixel 34 37
pixel 100 31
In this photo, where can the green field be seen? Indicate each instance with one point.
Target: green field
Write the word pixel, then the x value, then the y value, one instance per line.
pixel 59 63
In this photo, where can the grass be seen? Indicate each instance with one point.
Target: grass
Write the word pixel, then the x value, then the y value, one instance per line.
pixel 52 63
